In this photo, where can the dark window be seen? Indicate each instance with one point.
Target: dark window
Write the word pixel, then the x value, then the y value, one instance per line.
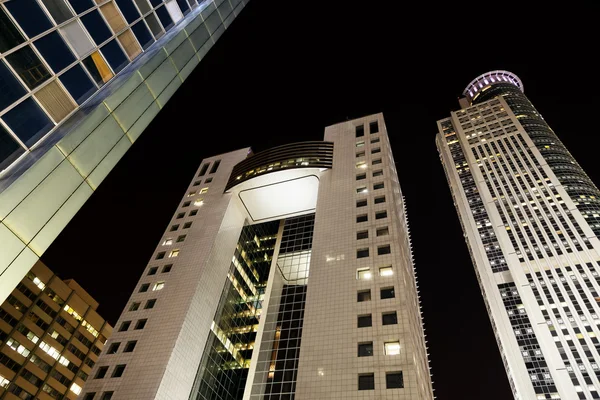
pixel 394 380
pixel 152 21
pixel 144 287
pixel 197 183
pixel 362 235
pixel 165 18
pixel 152 270
pixel 365 321
pixel 96 26
pixel 180 215
pixel 366 382
pixel 361 176
pixel 150 304
pixel 143 6
pixel 141 324
pixel 142 34
pixel 134 306
pixel 186 204
pixel 81 5
pixel 193 212
pixel 114 55
pixel 203 169
pixel 214 168
pixel 376 150
pixel 160 255
pixel 379 172
pixel 9 34
pixel 383 231
pixel 124 326
pixel 128 9
pixel 380 199
pixel 9 148
pixel 167 268
pixel 360 154
pixel 55 51
pixel 156 3
pixel 374 127
pixel 130 346
pixel 389 318
pixel 184 6
pixel 362 253
pixel 78 83
pixel 376 161
pixel 11 88
pixel 28 66
pixel 384 250
pixel 363 295
pixel 360 131
pixel 29 15
pixel 187 225
pixel 362 218
pixel 387 293
pixel 28 121
pixel 365 349
pixel 375 140
pixel 208 180
pixel 381 214
pixel 118 371
pixel 181 238
pixel 89 396
pixel 113 348
pixel 58 10
pixel 174 228
pixel 107 395
pixel 101 373
pixel 378 186
pixel 361 203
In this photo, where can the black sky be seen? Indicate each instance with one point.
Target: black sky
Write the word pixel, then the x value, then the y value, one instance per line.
pixel 285 70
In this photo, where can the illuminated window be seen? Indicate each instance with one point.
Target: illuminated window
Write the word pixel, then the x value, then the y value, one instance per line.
pixel 361 164
pixel 365 349
pixel 364 321
pixel 392 348
pixel 3 382
pixel 361 189
pixel 75 388
pixel 191 194
pixel 158 286
pixel 383 231
pixel 199 202
pixel 168 242
pixel 360 144
pixel 174 253
pixel 203 190
pixel 386 271
pixel 364 274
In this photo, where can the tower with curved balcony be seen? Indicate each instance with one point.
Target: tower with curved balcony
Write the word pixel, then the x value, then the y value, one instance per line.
pixel 530 217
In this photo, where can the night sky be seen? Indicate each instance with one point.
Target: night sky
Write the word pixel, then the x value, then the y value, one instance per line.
pixel 285 70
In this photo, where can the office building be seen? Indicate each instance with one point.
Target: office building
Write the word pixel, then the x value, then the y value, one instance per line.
pixel 50 337
pixel 530 217
pixel 283 274
pixel 80 80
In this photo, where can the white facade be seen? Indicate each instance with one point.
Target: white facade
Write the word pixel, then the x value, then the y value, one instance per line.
pixel 534 251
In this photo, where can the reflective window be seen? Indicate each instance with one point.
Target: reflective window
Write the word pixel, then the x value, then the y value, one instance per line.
pixel 28 66
pixel 10 150
pixel 142 34
pixel 29 15
pixel 165 18
pixel 183 5
pixel 9 34
pixel 113 17
pixel 58 10
pixel 154 25
pixel 77 38
pixel 10 88
pixel 78 83
pixel 81 5
pixel 114 55
pixel 28 121
pixel 156 3
pixel 55 51
pixel 128 9
pixel 96 26
pixel 98 68
pixel 143 6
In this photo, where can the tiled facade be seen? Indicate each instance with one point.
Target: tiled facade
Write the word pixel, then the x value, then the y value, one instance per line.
pixel 529 214
pixel 269 308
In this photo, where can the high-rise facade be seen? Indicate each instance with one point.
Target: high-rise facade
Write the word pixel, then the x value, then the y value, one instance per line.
pixel 283 274
pixel 80 80
pixel 530 217
pixel 50 337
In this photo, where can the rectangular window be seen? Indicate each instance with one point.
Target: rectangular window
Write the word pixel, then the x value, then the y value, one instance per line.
pixel 89 396
pixel 150 304
pixel 361 164
pixel 366 382
pixel 180 215
pixel 208 180
pixel 360 131
pixel 174 228
pixel 376 150
pixel 361 203
pixel 381 250
pixel 387 293
pixel 361 189
pixel 380 199
pixel 191 194
pixel 197 183
pixel 174 253
pixel 118 371
pixel 379 172
pixel 141 323
pixel 381 214
pixel 394 380
pixel 193 212
pixel 375 140
pixel 124 326
pixel 365 349
pixel 392 348
pixel 383 231
pixel 361 176
pixel 360 154
pixel 160 255
pixel 144 287
pixel 362 218
pixel 113 348
pixel 186 204
pixel 167 242
pixel 363 295
pixel 181 238
pixel 376 161
pixel 199 202
pixel 364 321
pixel 101 373
pixel 360 144
pixel 378 185
pixel 389 318
pixel 203 169
pixel 374 127
pixel 362 253
pixel 167 268
pixel 158 286
pixel 134 306
pixel 130 346
pixel 386 271
pixel 152 270
pixel 364 274
pixel 215 167
pixel 107 395
pixel 187 225
pixel 362 235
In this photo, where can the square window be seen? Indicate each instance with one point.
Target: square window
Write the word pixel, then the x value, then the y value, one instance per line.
pixel 381 214
pixel 181 238
pixel 360 144
pixel 124 326
pixel 118 371
pixel 174 228
pixel 366 382
pixel 150 304
pixel 361 189
pixel 187 225
pixel 360 131
pixel 364 274
pixel 186 204
pixel 89 396
pixel 394 380
pixel 134 306
pixel 362 253
pixel 386 271
pixel 203 169
pixel 362 218
pixel 376 161
pixel 167 242
pixel 160 255
pixel 208 180
pixel 174 253
pixel 379 172
pixel 107 395
pixel 144 287
pixel 101 373
pixel 361 203
pixel 141 323
pixel 167 268
pixel 193 212
pixel 361 164
pixel 152 270
pixel 380 199
pixel 360 154
pixel 376 150
pixel 180 215
pixel 361 176
pixel 362 235
pixel 389 318
pixel 158 286
pixel 364 321
pixel 381 250
pixel 199 202
pixel 378 185
pixel 374 127
pixel 130 346
pixel 363 295
pixel 375 140
pixel 365 349
pixel 392 348
pixel 387 293
pixel 203 190
pixel 113 348
pixel 383 231
pixel 197 183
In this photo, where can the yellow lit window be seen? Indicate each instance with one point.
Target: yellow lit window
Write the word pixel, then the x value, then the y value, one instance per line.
pixel 174 253
pixel 386 271
pixel 199 202
pixel 392 348
pixel 75 388
pixel 203 190
pixel 158 286
pixel 364 274
pixel 190 194
pixel 361 164
pixel 168 242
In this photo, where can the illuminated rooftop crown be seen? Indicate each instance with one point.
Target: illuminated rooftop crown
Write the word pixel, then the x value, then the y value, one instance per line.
pixel 489 78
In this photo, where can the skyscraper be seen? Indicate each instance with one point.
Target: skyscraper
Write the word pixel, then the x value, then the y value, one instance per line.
pixel 80 80
pixel 530 217
pixel 282 274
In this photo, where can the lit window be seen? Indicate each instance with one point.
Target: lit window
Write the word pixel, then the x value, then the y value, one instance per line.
pixel 203 190
pixel 190 194
pixel 158 286
pixel 364 274
pixel 386 271
pixel 360 144
pixel 39 283
pixel 75 388
pixel 3 381
pixel 383 231
pixel 361 164
pixel 392 348
pixel 199 202
pixel 174 253
pixel 362 189
pixel 168 242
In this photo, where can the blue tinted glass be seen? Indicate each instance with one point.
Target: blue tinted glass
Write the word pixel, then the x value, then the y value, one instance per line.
pixel 10 150
pixel 78 83
pixel 156 3
pixel 143 34
pixel 10 88
pixel 128 10
pixel 183 4
pixel 29 67
pixel 29 15
pixel 96 26
pixel 55 51
pixel 81 5
pixel 165 18
pixel 9 34
pixel 114 55
pixel 28 121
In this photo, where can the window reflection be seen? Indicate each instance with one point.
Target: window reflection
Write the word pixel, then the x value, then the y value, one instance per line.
pixel 28 66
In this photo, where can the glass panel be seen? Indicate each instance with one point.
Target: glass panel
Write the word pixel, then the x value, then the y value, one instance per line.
pixel 10 88
pixel 28 121
pixel 154 25
pixel 78 83
pixel 143 6
pixel 131 46
pixel 58 10
pixel 10 150
pixel 143 34
pixel 174 11
pixel 9 34
pixel 165 18
pixel 98 68
pixel 55 51
pixel 29 16
pixel 156 3
pixel 28 66
pixel 55 100
pixel 96 27
pixel 183 4
pixel 113 17
pixel 128 10
pixel 114 55
pixel 81 5
pixel 77 37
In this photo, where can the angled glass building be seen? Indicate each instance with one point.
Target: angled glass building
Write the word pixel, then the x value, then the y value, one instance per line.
pixel 80 80
pixel 285 274
pixel 530 217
